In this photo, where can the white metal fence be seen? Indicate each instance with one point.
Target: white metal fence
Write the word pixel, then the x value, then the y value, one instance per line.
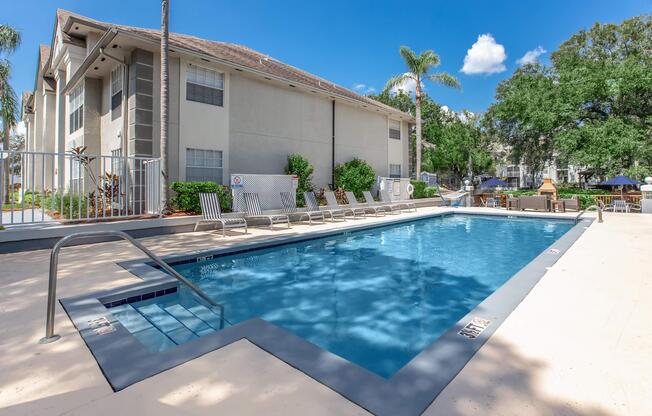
pixel 64 187
pixel 268 188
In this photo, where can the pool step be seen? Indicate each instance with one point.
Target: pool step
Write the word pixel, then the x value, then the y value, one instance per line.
pixel 160 324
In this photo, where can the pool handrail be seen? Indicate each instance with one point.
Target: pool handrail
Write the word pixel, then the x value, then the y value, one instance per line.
pixel 50 336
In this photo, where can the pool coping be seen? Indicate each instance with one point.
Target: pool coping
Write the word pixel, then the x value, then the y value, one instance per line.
pixel 124 360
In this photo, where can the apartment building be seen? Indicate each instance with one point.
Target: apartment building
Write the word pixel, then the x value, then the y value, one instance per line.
pixel 232 109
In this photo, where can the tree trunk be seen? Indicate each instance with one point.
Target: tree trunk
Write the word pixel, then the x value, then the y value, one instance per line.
pixel 165 20
pixel 5 163
pixel 417 168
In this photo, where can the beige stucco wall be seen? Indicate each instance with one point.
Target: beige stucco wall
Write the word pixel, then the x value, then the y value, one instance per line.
pixel 202 126
pixel 363 134
pixel 268 122
pixel 111 121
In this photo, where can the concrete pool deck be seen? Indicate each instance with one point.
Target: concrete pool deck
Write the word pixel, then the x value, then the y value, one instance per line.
pixel 578 344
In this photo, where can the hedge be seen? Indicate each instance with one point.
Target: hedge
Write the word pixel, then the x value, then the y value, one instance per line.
pixel 187 196
pixel 355 176
pixel 299 166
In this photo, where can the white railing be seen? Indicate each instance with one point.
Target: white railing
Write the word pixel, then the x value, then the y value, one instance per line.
pixel 76 187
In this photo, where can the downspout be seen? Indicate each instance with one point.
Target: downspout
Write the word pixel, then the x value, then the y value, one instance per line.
pixel 333 150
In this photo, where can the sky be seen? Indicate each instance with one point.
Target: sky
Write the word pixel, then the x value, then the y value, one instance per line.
pixel 352 43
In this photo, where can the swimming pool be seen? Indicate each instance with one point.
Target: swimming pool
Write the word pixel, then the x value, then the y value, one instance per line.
pixel 376 297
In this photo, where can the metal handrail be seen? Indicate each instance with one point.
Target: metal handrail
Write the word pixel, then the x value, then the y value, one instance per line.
pixel 591 208
pixel 50 336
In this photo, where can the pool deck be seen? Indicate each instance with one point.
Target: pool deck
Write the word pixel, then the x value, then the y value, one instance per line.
pixel 579 344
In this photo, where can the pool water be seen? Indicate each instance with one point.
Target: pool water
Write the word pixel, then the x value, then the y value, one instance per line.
pixel 376 297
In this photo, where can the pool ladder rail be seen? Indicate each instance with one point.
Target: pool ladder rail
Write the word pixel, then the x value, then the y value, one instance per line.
pixel 50 336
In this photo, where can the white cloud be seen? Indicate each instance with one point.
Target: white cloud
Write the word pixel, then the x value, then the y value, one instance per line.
pixel 485 56
pixel 408 86
pixel 532 56
pixel 363 89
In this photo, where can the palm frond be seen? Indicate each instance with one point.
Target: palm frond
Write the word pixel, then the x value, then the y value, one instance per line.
pixel 430 59
pixel 9 39
pixel 8 99
pixel 411 59
pixel 446 79
pixel 397 80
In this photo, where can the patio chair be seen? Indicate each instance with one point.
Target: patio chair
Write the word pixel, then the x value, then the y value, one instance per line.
pixel 331 202
pixel 313 205
pixel 384 196
pixel 211 213
pixel 387 207
pixel 620 205
pixel 490 202
pixel 290 207
pixel 572 203
pixel 350 196
pixel 254 211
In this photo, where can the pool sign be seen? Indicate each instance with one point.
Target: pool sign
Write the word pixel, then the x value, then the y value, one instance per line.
pixel 101 326
pixel 236 181
pixel 474 328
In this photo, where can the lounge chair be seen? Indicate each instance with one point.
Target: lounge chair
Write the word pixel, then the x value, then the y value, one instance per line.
pixel 212 214
pixel 254 211
pixel 387 207
pixel 290 207
pixel 313 205
pixel 331 202
pixel 350 196
pixel 384 196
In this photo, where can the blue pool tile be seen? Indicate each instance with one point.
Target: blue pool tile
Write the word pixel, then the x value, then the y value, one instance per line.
pixel 161 319
pixel 188 319
pixel 154 340
pixel 130 318
pixel 181 335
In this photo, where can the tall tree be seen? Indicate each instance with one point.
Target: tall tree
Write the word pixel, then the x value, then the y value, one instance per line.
pixel 9 41
pixel 165 85
pixel 419 67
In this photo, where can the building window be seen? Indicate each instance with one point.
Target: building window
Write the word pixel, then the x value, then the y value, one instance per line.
pixel 204 86
pixel 203 165
pixel 116 87
pixel 394 170
pixel 116 161
pixel 394 129
pixel 76 108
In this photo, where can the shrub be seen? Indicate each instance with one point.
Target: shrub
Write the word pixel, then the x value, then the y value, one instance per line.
pixel 299 166
pixel 355 176
pixel 419 189
pixel 74 206
pixel 187 196
pixel 430 192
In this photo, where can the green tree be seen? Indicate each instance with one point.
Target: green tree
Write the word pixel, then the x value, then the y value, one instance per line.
pixel 165 102
pixel 419 67
pixel 9 41
pixel 401 100
pixel 525 116
pixel 299 166
pixel 355 175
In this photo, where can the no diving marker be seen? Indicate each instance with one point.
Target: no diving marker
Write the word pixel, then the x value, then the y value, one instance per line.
pixel 474 328
pixel 101 326
pixel 236 181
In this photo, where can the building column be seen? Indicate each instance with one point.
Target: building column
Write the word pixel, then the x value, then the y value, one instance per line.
pixel 60 128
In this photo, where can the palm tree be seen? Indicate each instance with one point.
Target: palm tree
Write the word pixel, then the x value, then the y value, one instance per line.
pixel 9 41
pixel 419 67
pixel 165 85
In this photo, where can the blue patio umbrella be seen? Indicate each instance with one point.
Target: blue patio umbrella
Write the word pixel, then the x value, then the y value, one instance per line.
pixel 621 181
pixel 493 183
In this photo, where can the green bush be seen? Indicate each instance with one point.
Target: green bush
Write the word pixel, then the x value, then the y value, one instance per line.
pixel 299 166
pixel 355 176
pixel 430 192
pixel 419 189
pixel 187 196
pixel 74 206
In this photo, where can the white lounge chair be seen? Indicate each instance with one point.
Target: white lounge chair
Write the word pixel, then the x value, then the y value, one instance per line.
pixel 331 202
pixel 254 211
pixel 313 205
pixel 350 196
pixel 387 207
pixel 290 207
pixel 211 213
pixel 384 196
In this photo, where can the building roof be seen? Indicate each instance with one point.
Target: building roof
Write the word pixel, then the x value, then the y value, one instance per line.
pixel 234 54
pixel 44 53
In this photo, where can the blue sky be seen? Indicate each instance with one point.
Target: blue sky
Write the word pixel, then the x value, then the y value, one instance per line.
pixel 352 43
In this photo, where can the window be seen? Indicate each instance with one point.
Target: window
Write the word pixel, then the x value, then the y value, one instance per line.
pixel 76 108
pixel 116 87
pixel 394 170
pixel 204 86
pixel 394 129
pixel 116 161
pixel 203 165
